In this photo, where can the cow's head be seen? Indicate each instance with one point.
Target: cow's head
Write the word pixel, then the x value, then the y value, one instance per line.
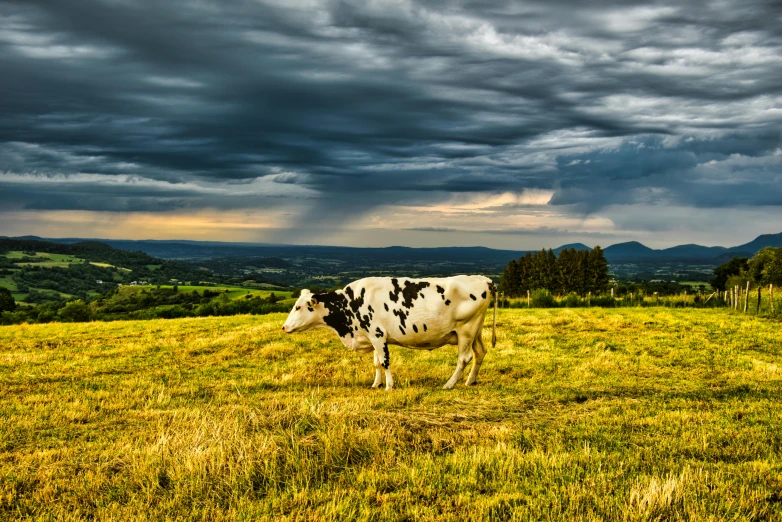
pixel 306 314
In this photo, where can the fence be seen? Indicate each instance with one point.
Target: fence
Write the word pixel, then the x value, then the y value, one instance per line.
pixel 765 300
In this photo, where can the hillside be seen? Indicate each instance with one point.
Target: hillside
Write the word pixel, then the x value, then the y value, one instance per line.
pixel 578 415
pixel 39 271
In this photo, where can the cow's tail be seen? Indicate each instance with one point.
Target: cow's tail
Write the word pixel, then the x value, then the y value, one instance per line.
pixel 494 322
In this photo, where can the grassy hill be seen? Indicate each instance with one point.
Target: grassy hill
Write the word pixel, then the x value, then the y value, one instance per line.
pixel 40 271
pixel 631 414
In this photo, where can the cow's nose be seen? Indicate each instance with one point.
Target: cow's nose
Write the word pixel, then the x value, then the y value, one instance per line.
pixel 283 328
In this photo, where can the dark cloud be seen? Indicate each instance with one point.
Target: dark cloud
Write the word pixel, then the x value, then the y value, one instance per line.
pixel 398 102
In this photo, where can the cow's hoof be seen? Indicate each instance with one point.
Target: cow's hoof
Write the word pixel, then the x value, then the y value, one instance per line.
pixel 448 387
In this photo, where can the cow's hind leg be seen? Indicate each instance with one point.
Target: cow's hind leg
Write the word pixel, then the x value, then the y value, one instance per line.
pixel 479 352
pixel 382 357
pixel 465 354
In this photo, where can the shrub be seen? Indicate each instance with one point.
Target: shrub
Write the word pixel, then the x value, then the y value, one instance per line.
pixel 605 301
pixel 572 301
pixel 75 311
pixel 542 298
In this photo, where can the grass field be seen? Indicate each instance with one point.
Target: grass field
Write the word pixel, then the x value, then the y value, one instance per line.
pixel 234 292
pixel 44 259
pixel 584 414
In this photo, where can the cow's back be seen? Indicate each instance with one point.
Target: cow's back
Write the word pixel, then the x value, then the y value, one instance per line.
pixel 419 312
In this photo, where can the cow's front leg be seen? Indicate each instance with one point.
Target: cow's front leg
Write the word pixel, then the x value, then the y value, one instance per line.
pixel 378 370
pixel 381 355
pixel 465 354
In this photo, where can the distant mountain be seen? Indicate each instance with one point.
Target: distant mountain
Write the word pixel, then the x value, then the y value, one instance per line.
pixel 760 242
pixel 691 251
pixel 629 250
pixel 572 246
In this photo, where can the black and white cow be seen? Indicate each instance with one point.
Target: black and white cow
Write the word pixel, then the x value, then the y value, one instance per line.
pixel 369 314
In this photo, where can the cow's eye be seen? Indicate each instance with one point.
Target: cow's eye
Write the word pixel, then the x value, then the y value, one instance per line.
pixel 298 308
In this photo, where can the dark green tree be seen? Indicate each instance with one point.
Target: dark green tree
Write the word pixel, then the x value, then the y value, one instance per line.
pixel 734 267
pixel 597 271
pixel 7 303
pixel 766 266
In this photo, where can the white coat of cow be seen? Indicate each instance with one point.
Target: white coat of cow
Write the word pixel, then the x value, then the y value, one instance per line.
pixel 371 313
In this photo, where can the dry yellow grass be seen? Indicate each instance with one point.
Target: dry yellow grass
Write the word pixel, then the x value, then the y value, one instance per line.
pixel 588 414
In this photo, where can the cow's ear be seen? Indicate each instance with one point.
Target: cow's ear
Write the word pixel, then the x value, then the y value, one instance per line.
pixel 313 301
pixel 304 292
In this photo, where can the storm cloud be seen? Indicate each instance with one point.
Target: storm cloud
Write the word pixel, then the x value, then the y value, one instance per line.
pixel 317 106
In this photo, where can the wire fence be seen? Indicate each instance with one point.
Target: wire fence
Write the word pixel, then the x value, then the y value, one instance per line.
pixel 757 300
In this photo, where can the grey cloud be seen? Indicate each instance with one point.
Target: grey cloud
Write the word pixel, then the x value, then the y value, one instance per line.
pixel 395 102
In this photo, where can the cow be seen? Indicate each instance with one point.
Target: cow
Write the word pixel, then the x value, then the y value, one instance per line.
pixel 371 313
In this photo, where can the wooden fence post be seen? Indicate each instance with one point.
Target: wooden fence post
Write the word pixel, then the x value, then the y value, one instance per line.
pixel 589 298
pixel 757 310
pixel 771 297
pixel 685 299
pixel 656 299
pixel 528 301
pixel 746 298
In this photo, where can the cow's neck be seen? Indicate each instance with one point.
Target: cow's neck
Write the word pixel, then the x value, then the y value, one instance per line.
pixel 340 318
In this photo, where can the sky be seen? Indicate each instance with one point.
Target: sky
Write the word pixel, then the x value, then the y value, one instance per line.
pixel 507 124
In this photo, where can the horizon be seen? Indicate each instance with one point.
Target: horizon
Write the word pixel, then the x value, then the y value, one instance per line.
pixel 249 244
pixel 418 123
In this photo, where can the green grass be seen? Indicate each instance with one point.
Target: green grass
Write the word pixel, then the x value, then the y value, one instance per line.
pixel 8 282
pixel 45 258
pixel 587 414
pixel 234 292
pixel 107 265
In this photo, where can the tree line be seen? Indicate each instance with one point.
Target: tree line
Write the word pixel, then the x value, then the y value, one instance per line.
pixel 572 271
pixel 764 268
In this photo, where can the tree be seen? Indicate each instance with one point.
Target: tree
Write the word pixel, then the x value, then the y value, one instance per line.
pixel 597 271
pixel 766 266
pixel 76 311
pixel 509 281
pixel 734 267
pixel 7 303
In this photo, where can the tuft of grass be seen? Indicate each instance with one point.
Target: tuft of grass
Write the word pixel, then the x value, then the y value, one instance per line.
pixel 587 414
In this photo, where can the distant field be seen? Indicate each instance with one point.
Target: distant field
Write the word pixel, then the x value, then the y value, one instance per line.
pixel 234 292
pixel 107 265
pixel 44 259
pixel 579 414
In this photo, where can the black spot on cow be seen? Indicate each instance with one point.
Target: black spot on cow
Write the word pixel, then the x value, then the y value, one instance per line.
pixel 387 361
pixel 447 302
pixel 483 295
pixel 424 327
pixel 340 316
pixel 473 297
pixel 371 311
pixel 412 291
pixel 403 330
pixel 415 328
pixel 440 289
pixel 394 294
pixel 378 332
pixel 349 293
pixel 402 315
pixel 386 306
